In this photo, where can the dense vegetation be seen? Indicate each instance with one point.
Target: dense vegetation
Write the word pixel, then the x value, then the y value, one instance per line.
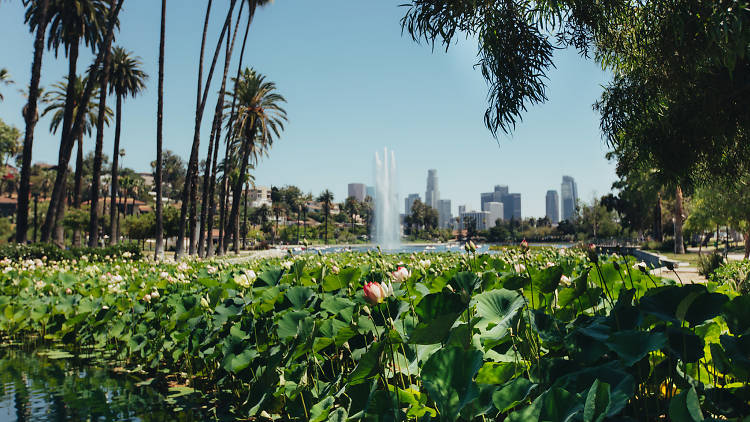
pixel 545 335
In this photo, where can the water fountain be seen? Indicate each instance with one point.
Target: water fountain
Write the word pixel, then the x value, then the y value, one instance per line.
pixel 387 229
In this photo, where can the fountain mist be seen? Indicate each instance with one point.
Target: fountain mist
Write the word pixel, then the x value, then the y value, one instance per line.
pixel 387 230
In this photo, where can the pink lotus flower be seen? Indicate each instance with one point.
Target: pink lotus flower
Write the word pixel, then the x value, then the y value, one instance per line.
pixel 374 293
pixel 400 275
pixel 524 246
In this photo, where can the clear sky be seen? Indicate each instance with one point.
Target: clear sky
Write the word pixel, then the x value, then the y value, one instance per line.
pixel 354 85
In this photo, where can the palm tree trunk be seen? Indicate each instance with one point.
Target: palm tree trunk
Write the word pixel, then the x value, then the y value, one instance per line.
pixel 234 213
pixel 107 50
pixel 30 117
pixel 159 246
pixel 77 188
pixel 679 247
pixel 193 224
pixel 224 211
pixel 299 211
pixel 201 103
pixel 236 236
pixel 114 184
pixel 216 134
pixel 244 223
pixel 658 232
pixel 325 239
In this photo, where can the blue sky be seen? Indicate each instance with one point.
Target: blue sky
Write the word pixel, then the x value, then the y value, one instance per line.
pixel 354 85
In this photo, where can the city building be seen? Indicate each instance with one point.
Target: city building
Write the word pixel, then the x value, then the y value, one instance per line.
pixel 461 211
pixel 568 197
pixel 370 190
pixel 495 210
pixel 409 201
pixel 553 206
pixel 480 219
pixel 358 191
pixel 444 213
pixel 432 195
pixel 259 196
pixel 496 195
pixel 512 206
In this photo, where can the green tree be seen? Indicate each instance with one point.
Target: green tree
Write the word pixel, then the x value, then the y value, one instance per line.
pixel 326 203
pixel 126 78
pixel 351 207
pixel 10 142
pixel 10 145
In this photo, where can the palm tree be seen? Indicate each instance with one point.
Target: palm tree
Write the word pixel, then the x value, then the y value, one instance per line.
pixel 70 22
pixel 326 201
pixel 57 100
pixel 351 206
pixel 30 116
pixel 4 80
pixel 259 119
pixel 125 78
pixel 189 193
pixel 213 143
pixel 159 246
pixel 105 55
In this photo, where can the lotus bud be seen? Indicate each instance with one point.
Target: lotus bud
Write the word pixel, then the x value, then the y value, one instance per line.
pixel 374 293
pixel 591 252
pixel 524 246
pixel 400 275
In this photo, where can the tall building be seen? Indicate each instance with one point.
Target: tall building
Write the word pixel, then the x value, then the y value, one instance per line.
pixel 496 213
pixel 409 201
pixel 568 197
pixel 358 191
pixel 444 213
pixel 432 195
pixel 512 206
pixel 461 211
pixel 553 207
pixel 496 195
pixel 480 219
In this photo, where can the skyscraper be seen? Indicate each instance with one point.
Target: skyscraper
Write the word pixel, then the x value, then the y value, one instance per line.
pixel 569 197
pixel 553 207
pixel 512 206
pixel 444 213
pixel 358 191
pixel 409 201
pixel 496 213
pixel 496 195
pixel 432 195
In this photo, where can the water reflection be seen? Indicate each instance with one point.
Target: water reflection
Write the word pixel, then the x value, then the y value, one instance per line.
pixel 37 388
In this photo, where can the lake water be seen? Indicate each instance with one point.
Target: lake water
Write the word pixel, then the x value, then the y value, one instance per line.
pixel 443 247
pixel 34 388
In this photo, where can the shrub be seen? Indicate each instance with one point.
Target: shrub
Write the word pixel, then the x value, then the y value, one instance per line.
pixel 737 273
pixel 708 264
pixel 53 253
pixel 666 246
